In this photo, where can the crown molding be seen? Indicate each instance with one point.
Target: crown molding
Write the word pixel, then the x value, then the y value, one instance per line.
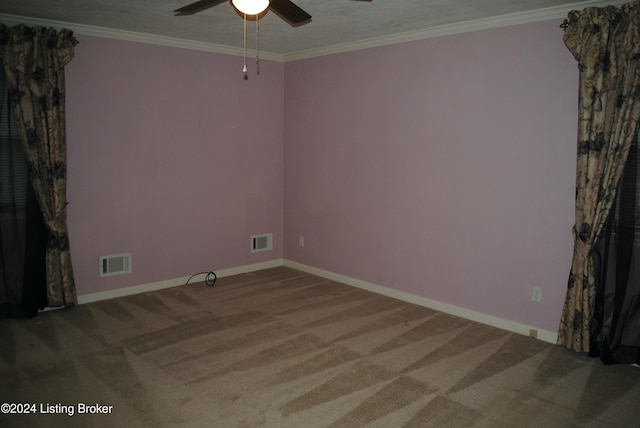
pixel 555 12
pixel 132 36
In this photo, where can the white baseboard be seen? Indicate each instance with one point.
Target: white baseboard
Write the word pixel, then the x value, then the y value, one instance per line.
pixel 544 335
pixel 153 286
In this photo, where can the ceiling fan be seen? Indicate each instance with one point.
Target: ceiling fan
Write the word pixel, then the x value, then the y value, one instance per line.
pixel 285 9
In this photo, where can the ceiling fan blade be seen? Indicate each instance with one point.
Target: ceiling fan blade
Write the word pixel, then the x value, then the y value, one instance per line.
pixel 198 6
pixel 288 11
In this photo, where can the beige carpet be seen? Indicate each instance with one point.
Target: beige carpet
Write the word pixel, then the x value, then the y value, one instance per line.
pixel 281 348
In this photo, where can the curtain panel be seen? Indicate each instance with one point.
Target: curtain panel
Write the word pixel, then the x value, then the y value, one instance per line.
pixel 34 59
pixel 606 44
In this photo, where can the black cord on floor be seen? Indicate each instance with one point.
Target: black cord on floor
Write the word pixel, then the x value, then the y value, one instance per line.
pixel 207 279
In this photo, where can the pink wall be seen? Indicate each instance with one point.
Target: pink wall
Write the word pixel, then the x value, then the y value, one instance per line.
pixel 443 168
pixel 172 157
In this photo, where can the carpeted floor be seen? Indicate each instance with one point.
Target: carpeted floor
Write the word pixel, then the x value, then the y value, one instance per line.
pixel 282 348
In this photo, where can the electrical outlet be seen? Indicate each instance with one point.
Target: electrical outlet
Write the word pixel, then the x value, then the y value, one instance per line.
pixel 301 240
pixel 536 294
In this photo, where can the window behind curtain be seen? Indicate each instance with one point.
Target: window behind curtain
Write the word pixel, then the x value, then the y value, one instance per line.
pixel 23 234
pixel 616 322
pixel 627 207
pixel 14 174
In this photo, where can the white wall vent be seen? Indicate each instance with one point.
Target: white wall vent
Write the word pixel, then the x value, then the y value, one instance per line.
pixel 116 264
pixel 261 242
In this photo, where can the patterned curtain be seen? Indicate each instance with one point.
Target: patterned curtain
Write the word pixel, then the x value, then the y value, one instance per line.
pixel 606 44
pixel 34 61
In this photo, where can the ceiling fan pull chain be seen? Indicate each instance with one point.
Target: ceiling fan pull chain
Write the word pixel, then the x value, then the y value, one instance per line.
pixel 244 67
pixel 257 46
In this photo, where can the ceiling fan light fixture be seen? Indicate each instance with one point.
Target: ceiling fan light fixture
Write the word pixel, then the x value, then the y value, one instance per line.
pixel 250 7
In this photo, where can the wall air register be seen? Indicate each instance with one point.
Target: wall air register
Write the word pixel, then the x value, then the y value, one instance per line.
pixel 261 242
pixel 116 264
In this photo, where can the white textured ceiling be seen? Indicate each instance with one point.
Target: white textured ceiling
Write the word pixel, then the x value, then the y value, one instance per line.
pixel 334 22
